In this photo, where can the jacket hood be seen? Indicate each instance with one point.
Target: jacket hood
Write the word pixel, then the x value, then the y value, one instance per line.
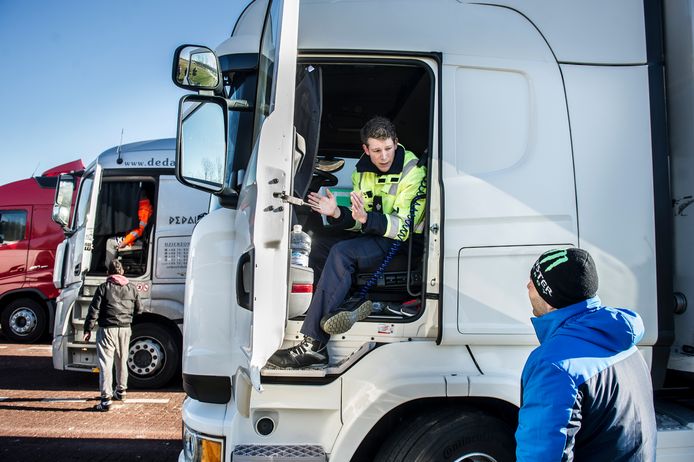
pixel 117 279
pixel 615 329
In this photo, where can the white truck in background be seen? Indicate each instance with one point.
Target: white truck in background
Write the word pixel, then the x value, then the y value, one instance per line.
pixel 106 206
pixel 542 125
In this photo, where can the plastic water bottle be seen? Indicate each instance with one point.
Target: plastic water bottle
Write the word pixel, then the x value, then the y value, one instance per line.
pixel 300 246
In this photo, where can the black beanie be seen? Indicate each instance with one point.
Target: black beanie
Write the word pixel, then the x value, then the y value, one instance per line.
pixel 563 277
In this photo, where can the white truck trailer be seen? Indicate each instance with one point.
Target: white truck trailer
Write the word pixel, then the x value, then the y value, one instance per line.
pixel 542 124
pixel 107 206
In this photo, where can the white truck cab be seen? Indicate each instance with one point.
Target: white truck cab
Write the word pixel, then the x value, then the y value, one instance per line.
pixel 107 206
pixel 541 126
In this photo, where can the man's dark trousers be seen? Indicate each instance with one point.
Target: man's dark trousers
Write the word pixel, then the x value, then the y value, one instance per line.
pixel 365 252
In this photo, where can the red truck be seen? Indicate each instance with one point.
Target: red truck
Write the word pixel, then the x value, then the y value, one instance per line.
pixel 28 239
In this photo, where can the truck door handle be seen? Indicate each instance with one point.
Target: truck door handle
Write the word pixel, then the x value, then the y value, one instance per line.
pixel 244 280
pixel 78 267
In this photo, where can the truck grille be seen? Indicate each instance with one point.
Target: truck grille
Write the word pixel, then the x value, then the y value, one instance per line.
pixel 278 453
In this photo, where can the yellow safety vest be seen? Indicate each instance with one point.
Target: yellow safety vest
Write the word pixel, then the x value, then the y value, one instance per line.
pixel 396 190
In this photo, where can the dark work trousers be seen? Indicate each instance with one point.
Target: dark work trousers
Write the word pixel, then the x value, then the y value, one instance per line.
pixel 364 251
pixel 321 245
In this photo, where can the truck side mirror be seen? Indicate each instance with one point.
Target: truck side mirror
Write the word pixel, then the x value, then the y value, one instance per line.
pixel 63 200
pixel 196 68
pixel 201 142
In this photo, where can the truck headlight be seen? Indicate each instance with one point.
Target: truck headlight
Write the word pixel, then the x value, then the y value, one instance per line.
pixel 198 447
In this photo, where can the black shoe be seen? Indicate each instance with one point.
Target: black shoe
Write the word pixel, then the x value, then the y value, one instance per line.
pixel 103 406
pixel 343 320
pixel 119 395
pixel 308 353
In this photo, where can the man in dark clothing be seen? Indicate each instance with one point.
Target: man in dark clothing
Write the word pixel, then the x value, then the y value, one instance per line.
pixel 586 390
pixel 113 306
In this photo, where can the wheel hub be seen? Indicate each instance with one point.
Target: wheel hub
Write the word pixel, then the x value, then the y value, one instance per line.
pixel 146 357
pixel 23 321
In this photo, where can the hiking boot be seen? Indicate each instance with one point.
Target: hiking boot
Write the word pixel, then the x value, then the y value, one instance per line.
pixel 103 406
pixel 343 320
pixel 308 353
pixel 119 395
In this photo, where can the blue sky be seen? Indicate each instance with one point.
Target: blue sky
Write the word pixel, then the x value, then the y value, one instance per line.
pixel 76 72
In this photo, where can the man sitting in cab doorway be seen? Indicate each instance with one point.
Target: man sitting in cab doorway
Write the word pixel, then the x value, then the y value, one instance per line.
pixel 144 213
pixel 386 181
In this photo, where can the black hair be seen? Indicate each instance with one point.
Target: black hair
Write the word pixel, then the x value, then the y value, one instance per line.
pixel 378 128
pixel 115 267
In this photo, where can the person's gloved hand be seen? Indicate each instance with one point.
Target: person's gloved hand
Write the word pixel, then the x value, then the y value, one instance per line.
pixel 87 335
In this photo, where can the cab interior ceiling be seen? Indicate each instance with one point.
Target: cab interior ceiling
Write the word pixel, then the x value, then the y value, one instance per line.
pixel 354 93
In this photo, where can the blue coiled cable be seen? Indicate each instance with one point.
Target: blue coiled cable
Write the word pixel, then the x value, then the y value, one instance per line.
pixel 399 239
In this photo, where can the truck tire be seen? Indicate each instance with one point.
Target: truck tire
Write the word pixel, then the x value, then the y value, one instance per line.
pixel 153 357
pixel 23 320
pixel 451 436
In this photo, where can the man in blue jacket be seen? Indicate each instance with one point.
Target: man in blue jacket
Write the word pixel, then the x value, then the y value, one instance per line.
pixel 586 390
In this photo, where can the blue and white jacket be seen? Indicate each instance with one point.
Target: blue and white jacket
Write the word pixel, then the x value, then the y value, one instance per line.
pixel 586 391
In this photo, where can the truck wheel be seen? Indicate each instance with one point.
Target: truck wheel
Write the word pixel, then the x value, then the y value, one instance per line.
pixel 451 435
pixel 153 357
pixel 23 320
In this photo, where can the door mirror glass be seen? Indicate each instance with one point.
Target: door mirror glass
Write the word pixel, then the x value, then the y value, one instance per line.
pixel 63 200
pixel 202 143
pixel 196 68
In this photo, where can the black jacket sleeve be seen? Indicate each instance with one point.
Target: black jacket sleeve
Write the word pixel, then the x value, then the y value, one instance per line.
pixel 94 307
pixel 138 303
pixel 376 223
pixel 345 220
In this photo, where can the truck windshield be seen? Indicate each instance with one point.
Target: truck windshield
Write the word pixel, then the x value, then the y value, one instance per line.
pixel 83 201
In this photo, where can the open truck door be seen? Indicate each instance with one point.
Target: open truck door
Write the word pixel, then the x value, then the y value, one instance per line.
pixel 263 218
pixel 77 248
pixel 267 217
pixel 74 254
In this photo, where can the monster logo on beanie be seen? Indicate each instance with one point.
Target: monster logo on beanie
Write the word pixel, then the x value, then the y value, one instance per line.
pixel 563 277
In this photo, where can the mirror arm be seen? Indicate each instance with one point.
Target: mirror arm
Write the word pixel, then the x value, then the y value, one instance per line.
pixel 228 198
pixel 238 104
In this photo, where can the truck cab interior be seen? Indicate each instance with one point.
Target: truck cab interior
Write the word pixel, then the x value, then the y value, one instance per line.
pixel 116 216
pixel 333 101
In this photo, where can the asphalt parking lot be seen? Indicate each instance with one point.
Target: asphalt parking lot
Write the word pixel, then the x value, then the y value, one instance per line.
pixel 46 415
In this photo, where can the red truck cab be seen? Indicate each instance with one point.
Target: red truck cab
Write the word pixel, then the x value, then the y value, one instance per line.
pixel 28 239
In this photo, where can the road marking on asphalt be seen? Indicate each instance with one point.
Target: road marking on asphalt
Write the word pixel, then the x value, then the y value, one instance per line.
pixel 63 400
pixel 147 401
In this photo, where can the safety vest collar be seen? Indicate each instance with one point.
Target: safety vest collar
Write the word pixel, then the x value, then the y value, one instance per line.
pixel 365 165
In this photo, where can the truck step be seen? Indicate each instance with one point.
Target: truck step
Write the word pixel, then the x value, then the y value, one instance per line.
pixel 333 369
pixel 675 420
pixel 80 367
pixel 274 453
pixel 88 345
